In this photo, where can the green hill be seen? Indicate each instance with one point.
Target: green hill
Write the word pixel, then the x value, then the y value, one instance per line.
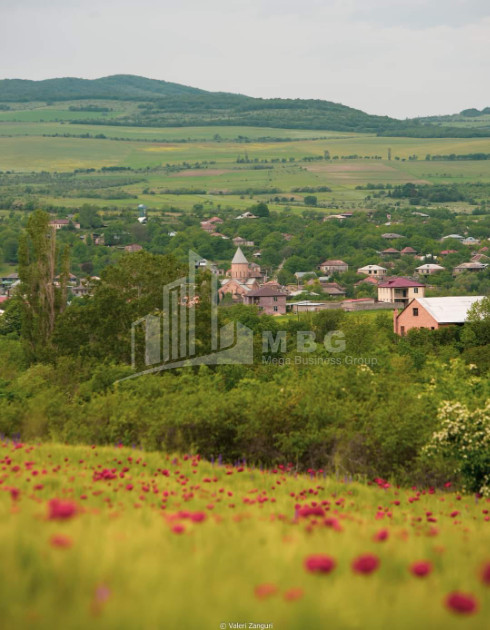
pixel 164 104
pixel 118 87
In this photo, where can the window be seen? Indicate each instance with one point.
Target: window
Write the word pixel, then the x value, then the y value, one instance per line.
pixel 402 330
pixel 275 299
pixel 275 309
pixel 416 290
pixel 415 312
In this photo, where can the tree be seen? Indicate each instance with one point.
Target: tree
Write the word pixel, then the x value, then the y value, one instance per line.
pixel 311 200
pixel 477 328
pixel 42 299
pixel 260 210
pixel 89 217
pixel 101 325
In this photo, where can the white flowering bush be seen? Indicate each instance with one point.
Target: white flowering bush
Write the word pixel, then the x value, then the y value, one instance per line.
pixel 463 438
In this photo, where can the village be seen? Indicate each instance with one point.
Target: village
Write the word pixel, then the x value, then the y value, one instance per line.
pixel 246 282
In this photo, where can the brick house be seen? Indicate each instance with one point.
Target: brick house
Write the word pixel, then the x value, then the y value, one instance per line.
pixel 433 313
pixel 333 266
pixel 428 269
pixel 238 241
pixel 469 266
pixel 400 291
pixel 373 270
pixel 133 248
pixel 269 300
pixel 57 224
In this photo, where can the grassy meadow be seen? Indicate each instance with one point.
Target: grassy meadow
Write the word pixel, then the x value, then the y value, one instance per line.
pixel 119 538
pixel 225 166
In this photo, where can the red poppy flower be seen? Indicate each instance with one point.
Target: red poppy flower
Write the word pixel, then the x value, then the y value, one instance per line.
pixel 381 535
pixel 262 591
pixel 319 563
pixel 61 510
pixel 366 564
pixel 461 603
pixel 60 540
pixel 485 574
pixel 421 569
pixel 293 594
pixel 178 529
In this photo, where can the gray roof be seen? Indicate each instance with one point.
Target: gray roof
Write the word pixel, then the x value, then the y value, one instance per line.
pixel 377 267
pixel 449 310
pixel 239 258
pixel 430 266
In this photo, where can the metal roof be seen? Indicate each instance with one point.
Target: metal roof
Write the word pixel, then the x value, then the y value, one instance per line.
pixel 449 310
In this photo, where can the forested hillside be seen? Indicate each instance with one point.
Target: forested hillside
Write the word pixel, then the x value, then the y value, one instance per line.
pixel 163 104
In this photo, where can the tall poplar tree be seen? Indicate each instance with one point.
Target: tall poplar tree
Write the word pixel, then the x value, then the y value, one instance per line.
pixel 42 298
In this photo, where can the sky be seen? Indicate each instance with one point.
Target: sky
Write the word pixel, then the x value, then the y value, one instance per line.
pixel 402 58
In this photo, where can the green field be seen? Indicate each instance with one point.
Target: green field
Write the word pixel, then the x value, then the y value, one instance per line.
pixel 226 166
pixel 117 538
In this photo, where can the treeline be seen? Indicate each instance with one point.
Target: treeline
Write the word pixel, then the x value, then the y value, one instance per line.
pixel 453 156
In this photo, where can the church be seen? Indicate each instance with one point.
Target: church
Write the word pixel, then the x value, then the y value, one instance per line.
pixel 243 277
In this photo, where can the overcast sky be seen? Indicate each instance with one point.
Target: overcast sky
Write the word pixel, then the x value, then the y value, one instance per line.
pixel 396 57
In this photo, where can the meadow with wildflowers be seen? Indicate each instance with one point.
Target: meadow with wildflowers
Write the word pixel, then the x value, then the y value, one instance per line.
pixel 115 537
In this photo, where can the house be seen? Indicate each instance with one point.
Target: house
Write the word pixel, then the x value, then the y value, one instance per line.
pixel 456 237
pixel 373 270
pixel 408 251
pixel 301 275
pixel 391 235
pixel 340 217
pixel 391 251
pixel 247 215
pixel 469 266
pixel 207 226
pixel 400 290
pixel 332 289
pixel 57 224
pixel 238 241
pixel 205 264
pixel 80 290
pixel 433 313
pixel 481 258
pixel 429 268
pixel 269 300
pixel 133 248
pixel 333 266
pixel 215 220
pixel 218 234
pixel 446 252
pixel 373 280
pixel 470 241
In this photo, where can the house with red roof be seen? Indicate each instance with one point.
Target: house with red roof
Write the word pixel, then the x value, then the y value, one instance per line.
pixel 400 291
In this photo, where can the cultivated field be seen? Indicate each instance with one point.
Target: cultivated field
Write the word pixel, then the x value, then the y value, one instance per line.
pixel 221 167
pixel 118 538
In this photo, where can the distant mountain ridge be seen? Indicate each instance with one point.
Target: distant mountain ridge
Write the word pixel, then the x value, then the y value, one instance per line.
pixel 117 86
pixel 165 104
